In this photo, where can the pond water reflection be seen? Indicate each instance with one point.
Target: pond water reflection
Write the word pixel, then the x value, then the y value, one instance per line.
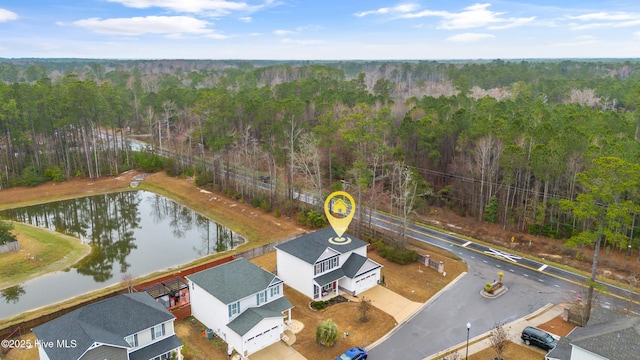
pixel 130 233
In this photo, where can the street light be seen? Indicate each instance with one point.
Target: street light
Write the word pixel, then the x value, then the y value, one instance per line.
pixel 468 329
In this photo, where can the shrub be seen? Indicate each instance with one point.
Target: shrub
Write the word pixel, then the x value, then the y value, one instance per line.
pixel 327 333
pixel 318 305
pixel 54 173
pixel 31 177
pixel 311 218
pixel 395 253
pixel 491 210
pixel 6 236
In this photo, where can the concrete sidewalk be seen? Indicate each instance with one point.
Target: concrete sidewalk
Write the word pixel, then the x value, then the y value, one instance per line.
pixel 513 328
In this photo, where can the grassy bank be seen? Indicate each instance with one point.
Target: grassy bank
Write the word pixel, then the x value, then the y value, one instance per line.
pixel 41 251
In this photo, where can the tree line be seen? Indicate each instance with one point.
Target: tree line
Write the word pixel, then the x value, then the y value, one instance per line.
pixel 501 141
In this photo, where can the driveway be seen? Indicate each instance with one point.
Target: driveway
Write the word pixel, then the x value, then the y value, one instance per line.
pixel 393 304
pixel 277 351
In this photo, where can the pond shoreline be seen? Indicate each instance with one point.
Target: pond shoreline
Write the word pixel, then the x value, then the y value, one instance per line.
pixel 209 203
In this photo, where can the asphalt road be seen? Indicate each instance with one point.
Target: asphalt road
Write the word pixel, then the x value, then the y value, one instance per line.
pixel 442 323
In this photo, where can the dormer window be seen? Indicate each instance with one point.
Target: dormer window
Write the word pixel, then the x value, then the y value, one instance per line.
pixel 132 340
pixel 261 297
pixel 234 308
pixel 157 331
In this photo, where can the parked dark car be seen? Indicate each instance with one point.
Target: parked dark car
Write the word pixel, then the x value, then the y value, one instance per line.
pixel 264 178
pixel 356 353
pixel 539 338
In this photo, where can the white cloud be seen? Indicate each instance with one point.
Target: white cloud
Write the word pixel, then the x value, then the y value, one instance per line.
pixel 600 20
pixel 400 9
pixel 578 41
pixel 513 23
pixel 601 25
pixel 168 25
pixel 282 32
pixel 474 16
pixel 469 37
pixel 217 7
pixel 246 19
pixel 6 15
pixel 301 42
pixel 605 16
pixel 636 34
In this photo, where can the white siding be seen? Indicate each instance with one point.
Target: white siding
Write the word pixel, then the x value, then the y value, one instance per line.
pixel 263 335
pixel 295 272
pixel 43 355
pixel 578 353
pixel 327 254
pixel 207 309
pixel 233 339
pixel 366 281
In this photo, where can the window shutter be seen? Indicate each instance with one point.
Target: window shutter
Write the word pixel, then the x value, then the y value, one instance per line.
pixel 229 310
pixel 153 333
pixel 258 298
pixel 163 333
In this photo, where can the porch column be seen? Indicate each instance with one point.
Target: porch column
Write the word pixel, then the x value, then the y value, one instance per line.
pixel 289 315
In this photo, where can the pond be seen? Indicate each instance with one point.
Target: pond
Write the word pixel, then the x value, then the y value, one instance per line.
pixel 131 233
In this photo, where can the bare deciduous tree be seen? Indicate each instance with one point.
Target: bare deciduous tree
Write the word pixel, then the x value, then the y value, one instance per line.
pixel 363 308
pixel 499 339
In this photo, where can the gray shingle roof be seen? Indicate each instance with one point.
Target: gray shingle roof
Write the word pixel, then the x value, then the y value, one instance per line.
pixel 334 275
pixel 234 280
pixel 161 347
pixel 309 247
pixel 108 321
pixel 252 316
pixel 609 334
pixel 616 340
pixel 562 351
pixel 353 264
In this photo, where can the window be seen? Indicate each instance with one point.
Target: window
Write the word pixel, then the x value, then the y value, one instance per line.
pixel 326 265
pixel 234 308
pixel 132 340
pixel 275 290
pixel 261 297
pixel 157 331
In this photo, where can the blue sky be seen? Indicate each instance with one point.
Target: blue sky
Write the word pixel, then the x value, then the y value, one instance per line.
pixel 319 30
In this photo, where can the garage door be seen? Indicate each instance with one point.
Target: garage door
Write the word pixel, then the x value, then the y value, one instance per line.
pixel 263 340
pixel 366 282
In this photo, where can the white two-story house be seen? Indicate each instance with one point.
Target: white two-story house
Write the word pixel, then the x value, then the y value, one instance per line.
pixel 124 327
pixel 320 264
pixel 242 303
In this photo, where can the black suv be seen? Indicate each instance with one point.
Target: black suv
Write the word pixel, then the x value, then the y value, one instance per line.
pixel 539 338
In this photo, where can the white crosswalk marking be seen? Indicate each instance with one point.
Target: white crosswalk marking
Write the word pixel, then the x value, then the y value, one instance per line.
pixel 503 255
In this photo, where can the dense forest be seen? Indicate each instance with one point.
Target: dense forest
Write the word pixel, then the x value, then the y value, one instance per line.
pixel 502 141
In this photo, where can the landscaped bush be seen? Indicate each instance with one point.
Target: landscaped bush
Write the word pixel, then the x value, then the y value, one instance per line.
pixel 318 305
pixel 396 254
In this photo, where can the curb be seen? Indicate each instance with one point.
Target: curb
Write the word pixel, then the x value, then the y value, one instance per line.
pixel 408 318
pixel 487 334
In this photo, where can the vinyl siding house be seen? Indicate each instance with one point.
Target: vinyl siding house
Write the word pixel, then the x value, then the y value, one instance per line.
pixel 124 327
pixel 608 336
pixel 320 265
pixel 242 303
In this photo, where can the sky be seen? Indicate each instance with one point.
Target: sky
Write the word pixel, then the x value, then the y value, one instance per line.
pixel 319 29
